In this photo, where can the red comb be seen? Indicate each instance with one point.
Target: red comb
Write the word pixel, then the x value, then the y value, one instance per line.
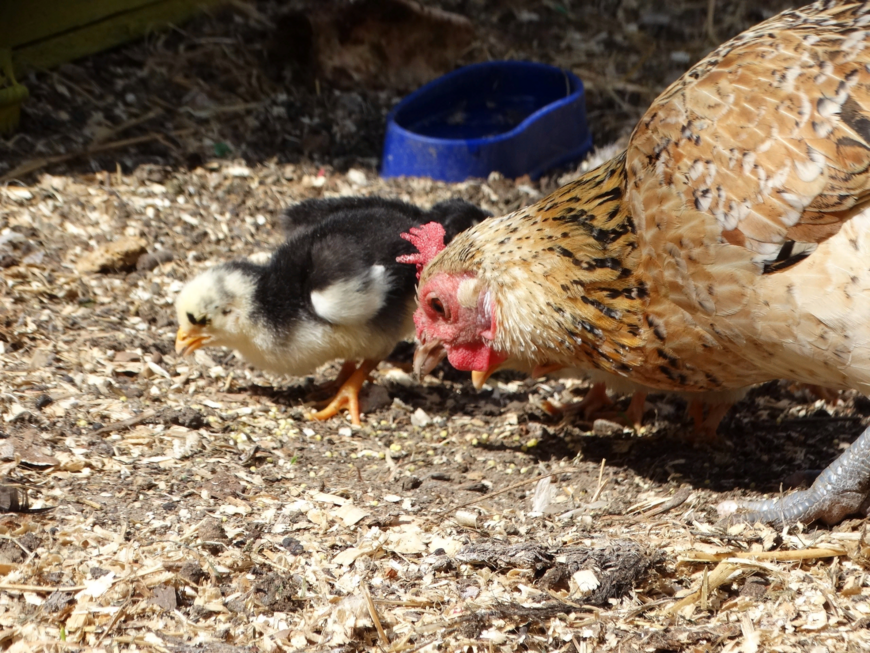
pixel 428 239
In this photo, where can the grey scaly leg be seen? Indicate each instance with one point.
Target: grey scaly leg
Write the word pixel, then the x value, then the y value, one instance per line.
pixel 842 489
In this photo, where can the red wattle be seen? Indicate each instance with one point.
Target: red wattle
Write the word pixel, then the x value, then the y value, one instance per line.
pixel 474 358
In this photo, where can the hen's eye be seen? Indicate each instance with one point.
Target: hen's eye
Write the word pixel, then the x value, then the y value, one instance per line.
pixel 436 305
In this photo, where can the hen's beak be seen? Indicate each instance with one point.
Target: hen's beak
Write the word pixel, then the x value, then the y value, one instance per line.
pixel 479 378
pixel 189 340
pixel 427 356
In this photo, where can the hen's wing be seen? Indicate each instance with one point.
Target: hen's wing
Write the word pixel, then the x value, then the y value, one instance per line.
pixel 766 144
pixel 760 153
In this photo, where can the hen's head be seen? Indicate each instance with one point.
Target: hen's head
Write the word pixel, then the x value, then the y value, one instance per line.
pixel 455 316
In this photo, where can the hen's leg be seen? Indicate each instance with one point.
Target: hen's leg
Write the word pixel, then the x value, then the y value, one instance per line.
pixel 593 402
pixel 706 429
pixel 634 412
pixel 348 394
pixel 842 489
pixel 825 394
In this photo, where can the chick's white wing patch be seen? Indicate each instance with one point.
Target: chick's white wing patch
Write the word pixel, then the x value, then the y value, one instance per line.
pixel 354 300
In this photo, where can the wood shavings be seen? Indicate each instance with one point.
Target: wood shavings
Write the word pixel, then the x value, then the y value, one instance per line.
pixel 274 532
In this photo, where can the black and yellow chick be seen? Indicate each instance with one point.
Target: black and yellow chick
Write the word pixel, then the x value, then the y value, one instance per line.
pixel 333 290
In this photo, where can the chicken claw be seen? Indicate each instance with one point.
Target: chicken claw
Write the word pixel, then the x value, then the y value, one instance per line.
pixel 348 395
pixel 842 489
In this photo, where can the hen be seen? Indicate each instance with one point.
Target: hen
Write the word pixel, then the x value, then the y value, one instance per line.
pixel 727 246
pixel 332 290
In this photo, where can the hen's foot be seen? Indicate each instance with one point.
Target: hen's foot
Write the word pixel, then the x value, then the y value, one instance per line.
pixel 348 394
pixel 593 402
pixel 842 489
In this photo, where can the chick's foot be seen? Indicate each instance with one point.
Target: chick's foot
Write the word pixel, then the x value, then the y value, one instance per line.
pixel 842 489
pixel 348 395
pixel 327 391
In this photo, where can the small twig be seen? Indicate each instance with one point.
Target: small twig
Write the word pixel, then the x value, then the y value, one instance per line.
pixel 679 498
pixel 374 615
pixel 37 164
pixel 115 619
pixel 600 483
pixel 125 423
pixel 711 17
pixel 782 556
pixel 124 126
pixel 16 587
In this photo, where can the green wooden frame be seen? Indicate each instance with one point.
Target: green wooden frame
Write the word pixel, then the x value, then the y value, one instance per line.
pixel 41 34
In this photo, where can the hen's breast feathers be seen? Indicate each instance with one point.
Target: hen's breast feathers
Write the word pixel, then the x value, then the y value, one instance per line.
pixel 713 253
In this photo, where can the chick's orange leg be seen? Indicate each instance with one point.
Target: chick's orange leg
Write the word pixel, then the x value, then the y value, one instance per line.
pixel 346 371
pixel 348 394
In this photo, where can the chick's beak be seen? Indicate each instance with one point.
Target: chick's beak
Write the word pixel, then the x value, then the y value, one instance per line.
pixel 427 356
pixel 188 340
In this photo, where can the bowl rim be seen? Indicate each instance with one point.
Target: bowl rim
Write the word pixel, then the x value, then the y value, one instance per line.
pixel 427 88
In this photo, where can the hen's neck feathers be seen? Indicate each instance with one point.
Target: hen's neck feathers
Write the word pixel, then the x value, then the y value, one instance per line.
pixel 595 305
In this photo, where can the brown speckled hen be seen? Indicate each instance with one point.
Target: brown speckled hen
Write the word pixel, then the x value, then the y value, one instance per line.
pixel 727 246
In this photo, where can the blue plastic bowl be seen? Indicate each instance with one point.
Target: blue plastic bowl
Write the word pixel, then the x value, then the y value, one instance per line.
pixel 516 117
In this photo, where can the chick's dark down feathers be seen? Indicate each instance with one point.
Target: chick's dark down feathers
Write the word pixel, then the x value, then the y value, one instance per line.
pixel 339 240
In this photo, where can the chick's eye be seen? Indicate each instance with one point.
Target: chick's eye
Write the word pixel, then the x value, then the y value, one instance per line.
pixel 227 311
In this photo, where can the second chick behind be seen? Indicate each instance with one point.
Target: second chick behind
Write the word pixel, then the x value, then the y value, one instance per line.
pixel 332 290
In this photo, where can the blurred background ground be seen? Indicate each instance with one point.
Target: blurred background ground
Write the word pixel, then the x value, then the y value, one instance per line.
pixel 197 509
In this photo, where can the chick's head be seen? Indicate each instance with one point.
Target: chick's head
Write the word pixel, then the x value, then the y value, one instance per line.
pixel 214 309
